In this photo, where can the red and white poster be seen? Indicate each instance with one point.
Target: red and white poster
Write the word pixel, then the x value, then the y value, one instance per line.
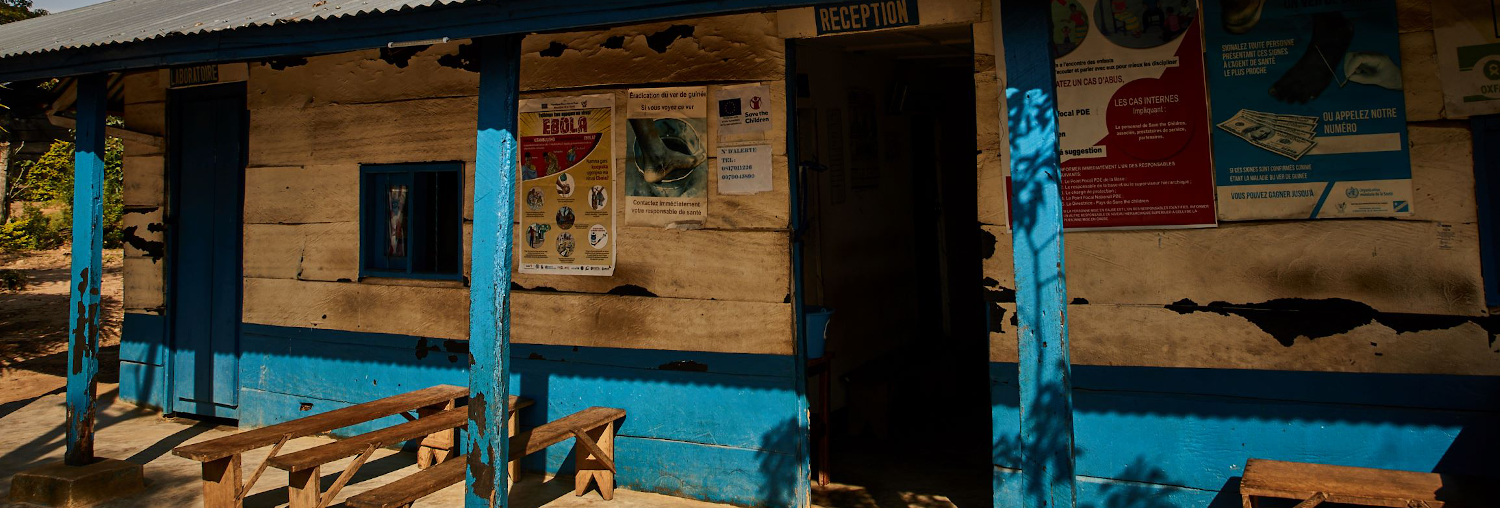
pixel 1132 114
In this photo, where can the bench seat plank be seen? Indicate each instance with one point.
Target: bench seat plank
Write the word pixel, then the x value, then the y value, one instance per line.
pixel 531 441
pixel 409 489
pixel 319 455
pixel 319 423
pixel 1362 486
pixel 422 483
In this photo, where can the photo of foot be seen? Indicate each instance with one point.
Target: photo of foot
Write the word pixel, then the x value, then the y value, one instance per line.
pixel 669 158
pixel 1139 24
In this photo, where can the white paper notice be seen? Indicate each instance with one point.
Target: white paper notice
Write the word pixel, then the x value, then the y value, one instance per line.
pixel 744 112
pixel 744 169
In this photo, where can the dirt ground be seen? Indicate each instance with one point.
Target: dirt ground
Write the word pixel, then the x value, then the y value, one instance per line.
pixel 34 324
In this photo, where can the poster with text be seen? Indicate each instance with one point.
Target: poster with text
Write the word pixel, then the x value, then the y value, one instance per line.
pixel 1132 114
pixel 567 178
pixel 666 164
pixel 1467 33
pixel 1308 110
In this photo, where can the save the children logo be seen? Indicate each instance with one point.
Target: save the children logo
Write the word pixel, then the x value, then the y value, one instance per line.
pixel 755 102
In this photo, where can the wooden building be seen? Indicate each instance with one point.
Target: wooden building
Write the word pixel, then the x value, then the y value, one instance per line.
pixel 1353 342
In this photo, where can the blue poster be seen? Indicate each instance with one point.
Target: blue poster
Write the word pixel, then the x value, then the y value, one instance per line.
pixel 1308 110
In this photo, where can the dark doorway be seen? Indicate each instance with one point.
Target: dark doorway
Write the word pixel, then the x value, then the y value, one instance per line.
pixel 885 133
pixel 206 168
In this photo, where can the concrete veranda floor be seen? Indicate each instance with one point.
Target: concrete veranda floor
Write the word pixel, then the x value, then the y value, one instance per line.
pixel 31 434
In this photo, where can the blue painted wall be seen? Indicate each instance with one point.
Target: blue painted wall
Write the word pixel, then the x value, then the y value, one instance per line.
pixel 1159 437
pixel 712 426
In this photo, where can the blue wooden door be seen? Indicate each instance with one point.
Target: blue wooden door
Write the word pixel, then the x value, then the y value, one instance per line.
pixel 207 138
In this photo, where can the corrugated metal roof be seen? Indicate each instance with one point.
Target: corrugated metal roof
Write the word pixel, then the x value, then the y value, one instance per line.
pixel 120 21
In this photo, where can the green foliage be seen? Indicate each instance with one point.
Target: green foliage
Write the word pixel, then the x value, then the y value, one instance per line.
pixel 50 179
pixel 34 230
pixel 16 10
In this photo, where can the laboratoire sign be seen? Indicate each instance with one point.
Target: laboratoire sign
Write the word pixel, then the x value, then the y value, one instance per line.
pixel 867 15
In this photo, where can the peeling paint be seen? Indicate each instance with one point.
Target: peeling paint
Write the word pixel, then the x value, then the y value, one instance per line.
pixel 684 366
pixel 659 41
pixel 154 250
pixel 1286 319
pixel 281 64
pixel 484 474
pixel 467 58
pixel 996 293
pixel 1080 301
pixel 401 57
pixel 616 42
pixel 630 290
pixel 554 50
pixel 987 243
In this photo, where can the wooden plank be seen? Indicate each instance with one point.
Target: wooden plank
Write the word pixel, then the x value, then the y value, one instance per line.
pixel 144 86
pixel 322 422
pixel 1155 336
pixel 630 322
pixel 143 284
pixel 302 194
pixel 349 447
pixel 1424 95
pixel 145 180
pixel 1405 266
pixel 752 266
pixel 1442 160
pixel 653 323
pixel 440 313
pixel 1414 15
pixel 344 78
pixel 743 47
pixel 438 129
pixel 325 252
pixel 1362 486
pixel 146 117
pixel 402 492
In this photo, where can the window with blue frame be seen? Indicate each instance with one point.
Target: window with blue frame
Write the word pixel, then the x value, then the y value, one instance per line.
pixel 411 220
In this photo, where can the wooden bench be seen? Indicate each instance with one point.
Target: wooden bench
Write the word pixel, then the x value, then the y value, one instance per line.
pixel 221 457
pixel 1314 484
pixel 594 429
pixel 439 440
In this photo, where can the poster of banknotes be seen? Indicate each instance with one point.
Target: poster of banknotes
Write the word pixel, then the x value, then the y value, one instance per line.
pixel 1132 114
pixel 567 180
pixel 1308 110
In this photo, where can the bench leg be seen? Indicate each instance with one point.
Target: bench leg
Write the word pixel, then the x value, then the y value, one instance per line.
pixel 513 468
pixel 303 488
pixel 438 446
pixel 590 468
pixel 221 483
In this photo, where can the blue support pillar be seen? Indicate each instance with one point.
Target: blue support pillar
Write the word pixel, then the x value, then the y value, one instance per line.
pixel 1037 245
pixel 88 244
pixel 487 442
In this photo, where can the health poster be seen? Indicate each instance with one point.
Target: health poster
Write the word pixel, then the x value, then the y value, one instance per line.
pixel 666 162
pixel 567 181
pixel 1132 114
pixel 1467 33
pixel 1308 111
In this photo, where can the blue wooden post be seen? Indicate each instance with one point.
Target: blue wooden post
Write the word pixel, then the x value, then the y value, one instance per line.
pixel 1037 245
pixel 486 441
pixel 88 244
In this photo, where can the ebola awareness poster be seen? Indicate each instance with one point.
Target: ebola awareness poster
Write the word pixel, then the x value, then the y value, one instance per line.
pixel 567 178
pixel 1132 114
pixel 1467 33
pixel 1308 110
pixel 666 164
